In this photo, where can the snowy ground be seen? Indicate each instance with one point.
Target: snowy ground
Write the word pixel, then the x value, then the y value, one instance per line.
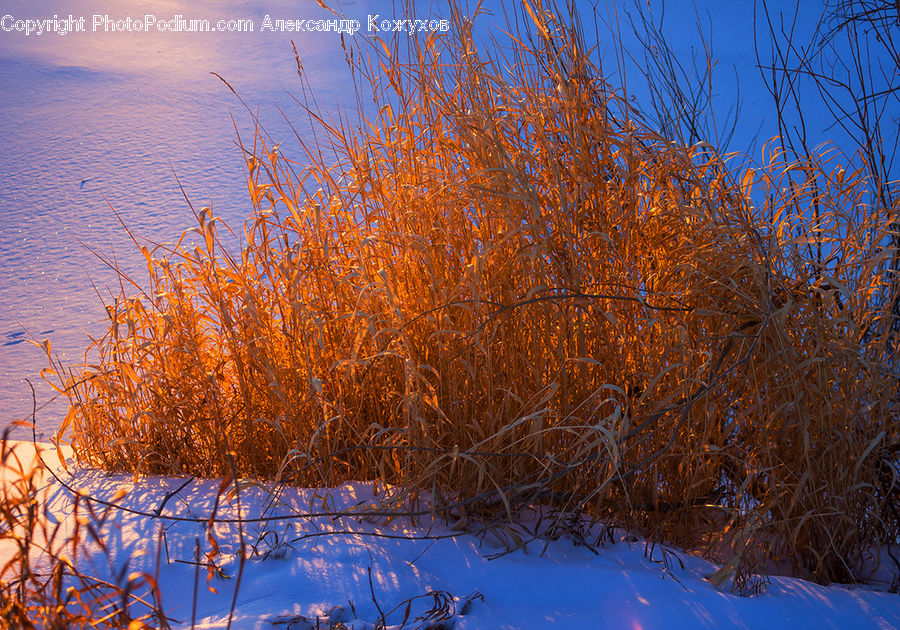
pixel 353 572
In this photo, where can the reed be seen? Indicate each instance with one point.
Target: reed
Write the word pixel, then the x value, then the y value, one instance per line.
pixel 42 581
pixel 505 289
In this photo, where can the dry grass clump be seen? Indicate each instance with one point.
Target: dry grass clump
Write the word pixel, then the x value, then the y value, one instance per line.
pixel 507 289
pixel 41 583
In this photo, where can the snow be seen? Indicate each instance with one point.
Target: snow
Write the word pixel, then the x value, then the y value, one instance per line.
pixel 352 571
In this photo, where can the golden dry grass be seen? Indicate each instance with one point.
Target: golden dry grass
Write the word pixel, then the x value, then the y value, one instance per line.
pixel 508 290
pixel 42 584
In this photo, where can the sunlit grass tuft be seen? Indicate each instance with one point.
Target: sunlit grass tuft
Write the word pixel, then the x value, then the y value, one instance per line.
pixel 508 288
pixel 42 581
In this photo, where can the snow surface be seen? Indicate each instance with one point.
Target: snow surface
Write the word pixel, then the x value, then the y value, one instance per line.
pixel 353 571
